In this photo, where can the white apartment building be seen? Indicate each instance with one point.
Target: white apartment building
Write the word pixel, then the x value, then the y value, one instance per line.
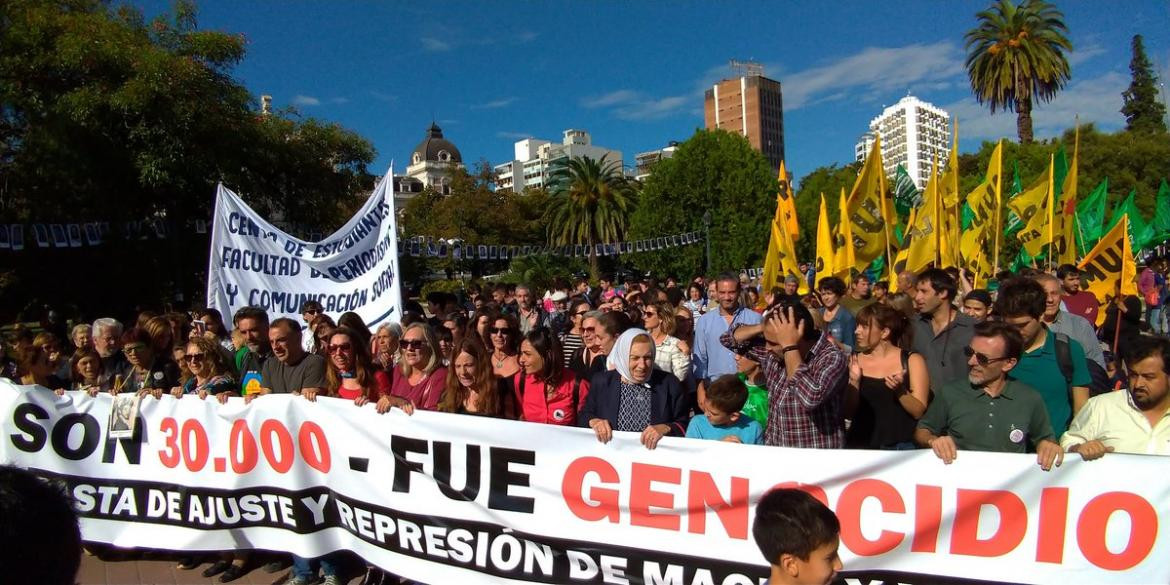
pixel 644 161
pixel 913 132
pixel 534 157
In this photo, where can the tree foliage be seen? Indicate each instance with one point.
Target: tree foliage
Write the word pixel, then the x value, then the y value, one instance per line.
pixel 828 180
pixel 1143 112
pixel 1016 55
pixel 107 117
pixel 714 171
pixel 590 204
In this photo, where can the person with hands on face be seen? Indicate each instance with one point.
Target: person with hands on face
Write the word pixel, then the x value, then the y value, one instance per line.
pixel 1136 420
pixel 633 396
pixel 989 411
pixel 806 373
pixel 293 371
pixel 209 372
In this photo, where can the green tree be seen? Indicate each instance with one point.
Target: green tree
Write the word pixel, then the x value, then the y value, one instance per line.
pixel 1143 112
pixel 1015 56
pixel 828 180
pixel 590 203
pixel 713 171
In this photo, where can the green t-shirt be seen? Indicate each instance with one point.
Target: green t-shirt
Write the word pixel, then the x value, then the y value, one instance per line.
pixel 1008 423
pixel 757 401
pixel 1040 370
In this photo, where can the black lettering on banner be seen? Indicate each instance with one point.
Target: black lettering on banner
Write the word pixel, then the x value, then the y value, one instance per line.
pixel 89 437
pixel 131 446
pixel 34 435
pixel 1107 263
pixel 502 477
pixel 403 467
pixel 443 472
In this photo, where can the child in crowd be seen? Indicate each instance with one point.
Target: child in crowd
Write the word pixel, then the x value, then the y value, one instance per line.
pixel 722 420
pixel 753 377
pixel 799 536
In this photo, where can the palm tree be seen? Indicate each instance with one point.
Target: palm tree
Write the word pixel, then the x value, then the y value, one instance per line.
pixel 591 202
pixel 1015 55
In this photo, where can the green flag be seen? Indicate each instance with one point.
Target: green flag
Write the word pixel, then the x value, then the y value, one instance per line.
pixel 1162 212
pixel 1140 232
pixel 966 215
pixel 1059 170
pixel 1091 218
pixel 1014 224
pixel 906 195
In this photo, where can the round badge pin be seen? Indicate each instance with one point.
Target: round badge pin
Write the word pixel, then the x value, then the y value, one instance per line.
pixel 1016 435
pixel 559 414
pixel 158 375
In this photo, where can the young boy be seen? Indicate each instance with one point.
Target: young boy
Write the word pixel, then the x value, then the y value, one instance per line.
pixel 723 421
pixel 799 536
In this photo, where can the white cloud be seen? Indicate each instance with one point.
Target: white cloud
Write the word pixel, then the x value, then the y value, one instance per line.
pixel 634 105
pixel 305 100
pixel 1096 100
pixel 495 104
pixel 433 45
pixel 1085 52
pixel 875 71
pixel 339 100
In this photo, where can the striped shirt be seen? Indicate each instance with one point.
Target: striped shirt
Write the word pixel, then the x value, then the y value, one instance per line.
pixel 569 344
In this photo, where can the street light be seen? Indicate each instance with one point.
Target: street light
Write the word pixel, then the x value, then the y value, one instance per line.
pixel 707 236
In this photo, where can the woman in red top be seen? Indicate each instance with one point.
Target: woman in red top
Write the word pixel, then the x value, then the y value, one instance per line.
pixel 546 390
pixel 351 373
pixel 418 381
pixel 472 388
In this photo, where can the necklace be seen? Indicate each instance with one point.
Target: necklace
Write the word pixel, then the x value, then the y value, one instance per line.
pixel 500 362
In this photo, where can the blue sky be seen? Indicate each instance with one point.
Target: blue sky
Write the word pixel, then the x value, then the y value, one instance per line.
pixel 633 73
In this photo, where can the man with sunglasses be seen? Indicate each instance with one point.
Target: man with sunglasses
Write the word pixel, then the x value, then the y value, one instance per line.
pixel 989 411
pixel 1052 363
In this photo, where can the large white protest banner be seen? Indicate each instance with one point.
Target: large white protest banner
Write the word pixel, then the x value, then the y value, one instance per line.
pixel 446 498
pixel 253 263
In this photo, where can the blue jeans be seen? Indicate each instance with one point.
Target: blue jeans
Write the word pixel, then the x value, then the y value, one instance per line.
pixel 1154 318
pixel 307 568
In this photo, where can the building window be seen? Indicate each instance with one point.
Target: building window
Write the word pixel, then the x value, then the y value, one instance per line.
pixel 415 159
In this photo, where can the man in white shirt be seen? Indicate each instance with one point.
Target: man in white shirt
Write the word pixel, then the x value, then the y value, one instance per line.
pixel 1128 421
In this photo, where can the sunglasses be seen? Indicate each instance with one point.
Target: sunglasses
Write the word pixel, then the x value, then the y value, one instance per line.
pixel 340 347
pixel 312 312
pixel 193 357
pixel 649 314
pixel 588 329
pixel 982 359
pixel 134 348
pixel 413 343
pixel 499 331
pixel 580 313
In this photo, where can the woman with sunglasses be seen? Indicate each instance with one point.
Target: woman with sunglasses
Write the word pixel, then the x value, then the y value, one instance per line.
pixel 547 392
pixel 471 388
pixel 350 373
pixel 504 334
pixel 417 382
pixel 209 372
pixel 323 327
pixel 582 360
pixel 149 372
pixel 889 387
pixel 571 339
pixel 670 354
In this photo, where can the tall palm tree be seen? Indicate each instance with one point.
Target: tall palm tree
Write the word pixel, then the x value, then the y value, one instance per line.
pixel 1015 55
pixel 591 202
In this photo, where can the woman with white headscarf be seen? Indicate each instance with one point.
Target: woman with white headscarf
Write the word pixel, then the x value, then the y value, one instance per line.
pixel 633 396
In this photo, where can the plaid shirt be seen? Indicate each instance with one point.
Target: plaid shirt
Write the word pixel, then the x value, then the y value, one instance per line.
pixel 804 409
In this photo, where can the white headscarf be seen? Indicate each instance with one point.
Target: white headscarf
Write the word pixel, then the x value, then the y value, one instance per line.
pixel 619 356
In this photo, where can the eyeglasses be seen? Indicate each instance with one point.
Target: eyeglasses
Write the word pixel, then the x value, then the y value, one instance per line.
pixel 413 343
pixel 580 313
pixel 345 347
pixel 310 312
pixel 193 357
pixel 499 331
pixel 982 359
pixel 588 329
pixel 649 314
pixel 139 348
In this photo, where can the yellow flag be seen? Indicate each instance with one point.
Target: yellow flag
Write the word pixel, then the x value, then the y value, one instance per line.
pixel 948 190
pixel 982 235
pixel 1064 250
pixel 1110 265
pixel 868 211
pixel 1034 207
pixel 786 205
pixel 922 234
pixel 845 260
pixel 825 253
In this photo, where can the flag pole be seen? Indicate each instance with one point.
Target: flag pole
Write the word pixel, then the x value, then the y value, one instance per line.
pixel 1051 203
pixel 998 213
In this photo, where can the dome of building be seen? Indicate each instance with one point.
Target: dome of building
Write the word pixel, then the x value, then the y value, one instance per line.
pixel 435 148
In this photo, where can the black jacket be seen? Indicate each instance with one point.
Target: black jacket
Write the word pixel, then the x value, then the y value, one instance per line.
pixel 671 404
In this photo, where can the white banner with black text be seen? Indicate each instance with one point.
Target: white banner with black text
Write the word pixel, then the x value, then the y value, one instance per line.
pixel 253 263
pixel 446 498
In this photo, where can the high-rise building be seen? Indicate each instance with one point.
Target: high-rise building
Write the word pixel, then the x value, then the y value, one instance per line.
pixel 534 158
pixel 913 132
pixel 644 161
pixel 752 106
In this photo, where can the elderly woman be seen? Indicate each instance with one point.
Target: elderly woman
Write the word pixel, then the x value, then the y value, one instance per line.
pixel 210 375
pixel 418 381
pixel 386 351
pixel 670 353
pixel 82 337
pixel 472 388
pixel 633 396
pixel 546 391
pixel 150 372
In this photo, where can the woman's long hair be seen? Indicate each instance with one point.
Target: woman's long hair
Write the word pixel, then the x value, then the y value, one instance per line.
pixel 212 355
pixel 546 344
pixel 430 341
pixel 454 394
pixel 363 369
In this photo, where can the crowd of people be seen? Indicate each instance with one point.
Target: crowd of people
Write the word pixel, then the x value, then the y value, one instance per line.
pixel 925 361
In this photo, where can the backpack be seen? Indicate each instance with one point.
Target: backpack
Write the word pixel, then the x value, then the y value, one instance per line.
pixel 1099 383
